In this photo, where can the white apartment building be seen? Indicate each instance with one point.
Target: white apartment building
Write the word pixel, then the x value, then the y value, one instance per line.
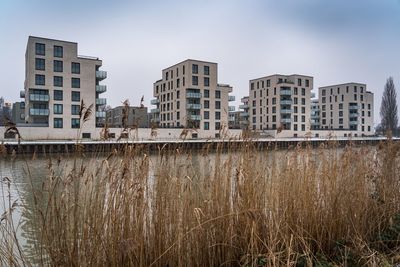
pixel 57 80
pixel 189 95
pixel 347 106
pixel 280 102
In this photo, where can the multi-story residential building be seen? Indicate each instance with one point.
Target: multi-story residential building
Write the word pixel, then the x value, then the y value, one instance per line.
pixel 57 80
pixel 18 112
pixel 347 106
pixel 5 112
pixel 244 114
pixel 136 117
pixel 189 95
pixel 280 102
pixel 315 114
pixel 234 119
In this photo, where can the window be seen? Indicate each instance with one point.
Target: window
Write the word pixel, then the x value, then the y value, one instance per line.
pixel 303 91
pixel 57 66
pixel 75 96
pixel 252 86
pixel 206 81
pixel 39 64
pixel 340 120
pixel 340 105
pixel 303 101
pixel 303 127
pixel 303 118
pixel 39 79
pixel 217 104
pixel 295 127
pixel 206 115
pixel 217 94
pixel 217 125
pixel 75 68
pixel 75 109
pixel 40 49
pixel 58 81
pixel 206 104
pixel 58 51
pixel 303 110
pixel 195 80
pixel 75 123
pixel 75 83
pixel 206 125
pixel 195 69
pixel 340 113
pixel 58 95
pixel 206 70
pixel 178 83
pixel 58 109
pixel 295 91
pixel 58 122
pixel 299 82
pixel 307 83
pixel 87 135
pixel 206 93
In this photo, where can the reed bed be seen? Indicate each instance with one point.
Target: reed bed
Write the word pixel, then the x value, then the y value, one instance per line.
pixel 231 207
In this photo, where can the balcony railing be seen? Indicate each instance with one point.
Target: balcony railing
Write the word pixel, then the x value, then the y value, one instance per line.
pixel 101 101
pixel 285 81
pixel 231 108
pixel 155 110
pixel 39 98
pixel 313 122
pixel 353 115
pixel 286 102
pixel 193 106
pixel 156 119
pixel 194 117
pixel 101 74
pixel 244 122
pixel 154 101
pixel 22 94
pixel 244 106
pixel 353 107
pixel 286 111
pixel 314 116
pixel 101 89
pixel 353 122
pixel 193 95
pixel 286 120
pixel 39 112
pixel 244 114
pixel 100 114
pixel 231 98
pixel 286 92
pixel 231 119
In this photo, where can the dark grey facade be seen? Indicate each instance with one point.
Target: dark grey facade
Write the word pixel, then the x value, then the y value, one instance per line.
pixel 18 112
pixel 137 117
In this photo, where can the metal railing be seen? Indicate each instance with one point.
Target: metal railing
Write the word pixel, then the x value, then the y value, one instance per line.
pixel 40 98
pixel 39 112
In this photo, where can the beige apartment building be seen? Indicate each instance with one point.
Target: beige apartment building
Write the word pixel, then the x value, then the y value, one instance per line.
pixel 346 106
pixel 189 95
pixel 57 80
pixel 280 102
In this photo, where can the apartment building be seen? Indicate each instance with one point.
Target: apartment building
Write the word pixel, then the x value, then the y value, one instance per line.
pixel 234 119
pixel 189 95
pixel 57 80
pixel 136 117
pixel 347 106
pixel 280 102
pixel 244 114
pixel 18 112
pixel 315 114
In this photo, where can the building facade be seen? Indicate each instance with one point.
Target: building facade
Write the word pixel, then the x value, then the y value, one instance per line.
pixel 347 106
pixel 315 114
pixel 18 112
pixel 136 118
pixel 189 96
pixel 280 102
pixel 57 80
pixel 234 119
pixel 244 113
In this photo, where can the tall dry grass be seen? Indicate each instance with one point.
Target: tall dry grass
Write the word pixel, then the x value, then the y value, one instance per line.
pixel 235 207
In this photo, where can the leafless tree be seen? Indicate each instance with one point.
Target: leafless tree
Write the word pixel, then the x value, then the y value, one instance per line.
pixel 388 112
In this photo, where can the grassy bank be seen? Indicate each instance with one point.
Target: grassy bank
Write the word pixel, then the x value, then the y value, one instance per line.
pixel 244 207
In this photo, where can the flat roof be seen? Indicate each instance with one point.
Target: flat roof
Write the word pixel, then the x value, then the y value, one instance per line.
pixel 328 86
pixel 50 39
pixel 277 74
pixel 189 59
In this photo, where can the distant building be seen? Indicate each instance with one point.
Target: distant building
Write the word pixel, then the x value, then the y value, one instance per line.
pixel 347 106
pixel 5 112
pixel 56 82
pixel 189 95
pixel 18 112
pixel 280 102
pixel 137 117
pixel 234 119
pixel 244 114
pixel 315 114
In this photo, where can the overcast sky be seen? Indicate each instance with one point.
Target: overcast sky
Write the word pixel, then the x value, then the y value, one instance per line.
pixel 333 41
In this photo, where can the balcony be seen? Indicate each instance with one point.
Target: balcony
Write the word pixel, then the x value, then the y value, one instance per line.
pixel 354 107
pixel 101 101
pixel 100 114
pixel 245 122
pixel 194 117
pixel 353 122
pixel 101 89
pixel 313 122
pixel 101 74
pixel 22 94
pixel 231 108
pixel 231 98
pixel 39 98
pixel 314 116
pixel 155 101
pixel 353 115
pixel 231 119
pixel 193 95
pixel 156 119
pixel 287 81
pixel 244 114
pixel 155 110
pixel 193 106
pixel 286 111
pixel 312 95
pixel 286 120
pixel 286 92
pixel 286 102
pixel 244 106
pixel 39 112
